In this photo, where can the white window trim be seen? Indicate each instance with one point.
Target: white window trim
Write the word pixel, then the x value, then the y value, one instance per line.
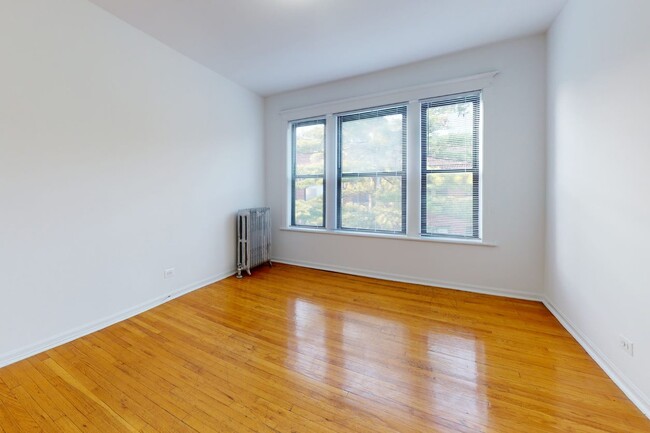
pixel 320 231
pixel 411 96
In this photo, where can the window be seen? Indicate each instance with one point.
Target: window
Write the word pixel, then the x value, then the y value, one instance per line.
pixel 308 173
pixel 450 166
pixel 372 170
pixel 410 169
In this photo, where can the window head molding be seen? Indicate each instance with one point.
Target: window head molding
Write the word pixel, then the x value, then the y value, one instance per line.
pixel 425 91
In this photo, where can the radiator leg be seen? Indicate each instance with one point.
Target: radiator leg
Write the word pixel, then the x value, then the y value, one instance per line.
pixel 239 271
pixel 270 264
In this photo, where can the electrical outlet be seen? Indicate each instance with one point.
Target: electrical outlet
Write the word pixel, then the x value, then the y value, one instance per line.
pixel 627 345
pixel 169 273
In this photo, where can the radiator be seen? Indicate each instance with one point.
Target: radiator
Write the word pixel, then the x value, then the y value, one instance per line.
pixel 253 238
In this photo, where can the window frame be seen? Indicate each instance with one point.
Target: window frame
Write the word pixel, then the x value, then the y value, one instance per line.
pixel 412 97
pixel 476 98
pixel 294 176
pixel 369 113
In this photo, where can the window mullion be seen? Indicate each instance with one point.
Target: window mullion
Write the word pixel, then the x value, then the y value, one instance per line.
pixel 413 169
pixel 330 172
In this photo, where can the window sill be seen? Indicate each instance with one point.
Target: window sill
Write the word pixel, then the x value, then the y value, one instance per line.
pixel 476 242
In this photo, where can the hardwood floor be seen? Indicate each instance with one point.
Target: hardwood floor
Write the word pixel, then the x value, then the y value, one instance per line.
pixel 298 350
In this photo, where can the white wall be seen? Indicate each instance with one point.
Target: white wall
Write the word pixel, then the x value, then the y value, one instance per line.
pixel 598 276
pixel 514 178
pixel 118 158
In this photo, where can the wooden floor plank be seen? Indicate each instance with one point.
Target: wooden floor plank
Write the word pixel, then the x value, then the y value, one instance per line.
pixel 297 350
pixel 16 413
pixel 7 420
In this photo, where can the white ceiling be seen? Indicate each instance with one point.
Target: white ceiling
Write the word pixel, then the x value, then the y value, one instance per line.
pixel 271 46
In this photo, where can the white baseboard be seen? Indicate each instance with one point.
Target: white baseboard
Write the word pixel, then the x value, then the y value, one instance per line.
pixel 638 397
pixel 73 334
pixel 423 281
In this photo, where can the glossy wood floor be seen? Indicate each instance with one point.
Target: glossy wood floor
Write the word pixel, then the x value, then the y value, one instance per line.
pixel 298 350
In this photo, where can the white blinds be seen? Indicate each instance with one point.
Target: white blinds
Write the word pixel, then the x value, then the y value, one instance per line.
pixel 308 173
pixel 368 174
pixel 372 170
pixel 450 166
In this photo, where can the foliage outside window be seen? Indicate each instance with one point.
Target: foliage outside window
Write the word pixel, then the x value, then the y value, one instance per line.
pixel 450 166
pixel 372 170
pixel 308 173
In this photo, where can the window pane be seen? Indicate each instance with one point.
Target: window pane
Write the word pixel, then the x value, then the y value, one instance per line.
pixel 372 203
pixel 450 136
pixel 310 149
pixel 450 204
pixel 372 144
pixel 308 202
